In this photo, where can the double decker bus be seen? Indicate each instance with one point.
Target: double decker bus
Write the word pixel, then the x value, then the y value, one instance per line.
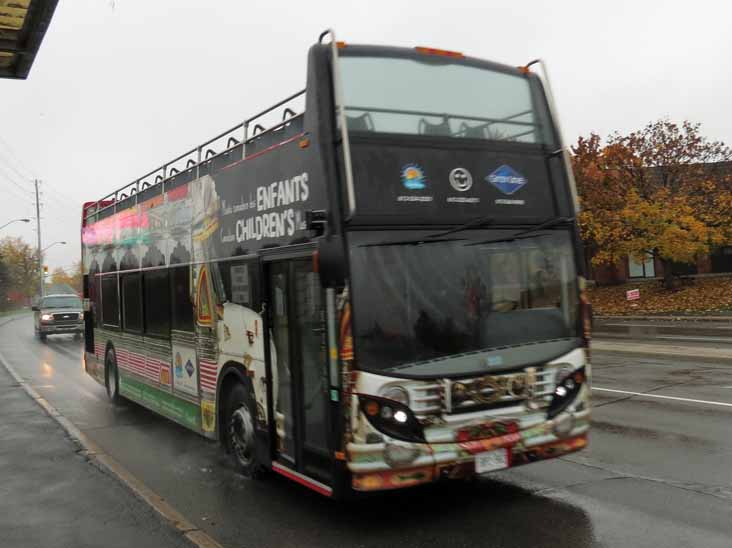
pixel 380 288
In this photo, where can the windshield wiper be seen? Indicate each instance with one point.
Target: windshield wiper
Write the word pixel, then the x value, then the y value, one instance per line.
pixel 480 221
pixel 416 241
pixel 549 223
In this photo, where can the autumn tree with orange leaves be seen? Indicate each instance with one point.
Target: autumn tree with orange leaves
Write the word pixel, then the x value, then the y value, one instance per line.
pixel 664 190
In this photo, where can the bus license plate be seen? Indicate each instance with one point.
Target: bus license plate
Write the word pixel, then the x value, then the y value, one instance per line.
pixel 491 460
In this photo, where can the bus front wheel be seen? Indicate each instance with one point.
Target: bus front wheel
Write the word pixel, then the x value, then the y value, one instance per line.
pixel 239 425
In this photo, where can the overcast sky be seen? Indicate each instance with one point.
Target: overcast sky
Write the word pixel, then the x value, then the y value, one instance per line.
pixel 119 87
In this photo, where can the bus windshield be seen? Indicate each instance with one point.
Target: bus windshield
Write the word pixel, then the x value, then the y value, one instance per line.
pixel 441 306
pixel 419 94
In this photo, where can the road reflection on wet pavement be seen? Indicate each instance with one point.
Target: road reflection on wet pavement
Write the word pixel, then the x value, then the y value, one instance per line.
pixel 657 472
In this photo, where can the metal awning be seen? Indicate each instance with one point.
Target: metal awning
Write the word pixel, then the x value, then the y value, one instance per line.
pixel 23 24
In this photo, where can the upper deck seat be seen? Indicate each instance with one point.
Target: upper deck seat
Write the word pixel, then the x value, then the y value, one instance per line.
pixel 442 128
pixel 267 139
pixel 472 132
pixel 364 122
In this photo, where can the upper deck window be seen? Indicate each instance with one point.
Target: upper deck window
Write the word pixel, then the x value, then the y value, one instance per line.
pixel 423 95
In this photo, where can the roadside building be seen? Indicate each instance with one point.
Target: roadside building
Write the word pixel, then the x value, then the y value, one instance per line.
pixel 719 261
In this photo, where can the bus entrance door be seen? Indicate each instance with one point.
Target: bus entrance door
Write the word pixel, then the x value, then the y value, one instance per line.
pixel 297 316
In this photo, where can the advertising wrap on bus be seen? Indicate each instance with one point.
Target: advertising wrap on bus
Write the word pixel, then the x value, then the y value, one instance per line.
pixel 382 290
pixel 231 212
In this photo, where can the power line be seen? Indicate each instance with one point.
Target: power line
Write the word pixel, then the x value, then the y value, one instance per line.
pixel 6 177
pixel 60 196
pixel 25 198
pixel 15 157
pixel 11 166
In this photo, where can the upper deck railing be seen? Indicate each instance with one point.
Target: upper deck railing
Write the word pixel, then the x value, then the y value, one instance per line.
pixel 246 133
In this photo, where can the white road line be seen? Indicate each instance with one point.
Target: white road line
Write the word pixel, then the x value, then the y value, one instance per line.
pixel 693 338
pixel 723 404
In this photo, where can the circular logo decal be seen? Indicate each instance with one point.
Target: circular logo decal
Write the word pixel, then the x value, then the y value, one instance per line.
pixel 413 177
pixel 461 179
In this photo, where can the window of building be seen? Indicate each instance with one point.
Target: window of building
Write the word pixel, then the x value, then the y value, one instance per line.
pixel 131 303
pixel 157 303
pixel 645 269
pixel 110 301
pixel 181 305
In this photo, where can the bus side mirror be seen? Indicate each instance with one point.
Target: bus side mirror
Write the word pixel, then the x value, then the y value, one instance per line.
pixel 330 261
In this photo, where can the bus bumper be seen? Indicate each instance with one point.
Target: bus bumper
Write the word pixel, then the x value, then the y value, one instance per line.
pixel 395 464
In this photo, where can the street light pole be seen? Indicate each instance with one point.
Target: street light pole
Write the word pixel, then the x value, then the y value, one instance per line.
pixel 40 254
pixel 15 221
pixel 40 251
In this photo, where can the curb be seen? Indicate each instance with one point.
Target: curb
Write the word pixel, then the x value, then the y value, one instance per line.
pixel 96 455
pixel 702 354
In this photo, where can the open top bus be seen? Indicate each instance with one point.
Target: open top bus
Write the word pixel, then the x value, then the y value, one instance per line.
pixel 373 284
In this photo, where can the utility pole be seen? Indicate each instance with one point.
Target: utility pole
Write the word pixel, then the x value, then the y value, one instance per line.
pixel 40 249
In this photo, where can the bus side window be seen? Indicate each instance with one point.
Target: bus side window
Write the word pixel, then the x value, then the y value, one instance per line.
pixel 157 303
pixel 110 300
pixel 182 307
pixel 131 302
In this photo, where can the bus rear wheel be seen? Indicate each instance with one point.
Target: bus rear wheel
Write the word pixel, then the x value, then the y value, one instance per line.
pixel 239 431
pixel 111 376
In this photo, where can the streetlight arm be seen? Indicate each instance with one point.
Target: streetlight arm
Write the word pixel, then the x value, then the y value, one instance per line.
pixel 15 221
pixel 53 244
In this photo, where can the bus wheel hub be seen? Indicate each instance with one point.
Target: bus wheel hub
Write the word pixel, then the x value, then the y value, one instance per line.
pixel 241 429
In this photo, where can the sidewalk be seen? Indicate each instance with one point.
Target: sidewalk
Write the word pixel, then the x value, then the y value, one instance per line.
pixel 52 496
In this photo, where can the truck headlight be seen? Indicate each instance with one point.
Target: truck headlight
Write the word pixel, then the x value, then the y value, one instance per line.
pixel 46 318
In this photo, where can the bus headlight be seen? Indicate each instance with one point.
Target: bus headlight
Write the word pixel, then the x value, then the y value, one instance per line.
pixel 569 383
pixel 392 418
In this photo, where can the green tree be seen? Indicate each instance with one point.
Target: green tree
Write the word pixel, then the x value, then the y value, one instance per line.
pixel 4 285
pixel 21 261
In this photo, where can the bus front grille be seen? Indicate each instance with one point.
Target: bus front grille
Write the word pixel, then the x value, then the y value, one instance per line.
pixel 532 387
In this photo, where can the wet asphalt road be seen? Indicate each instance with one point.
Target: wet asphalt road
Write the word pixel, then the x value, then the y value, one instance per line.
pixel 658 471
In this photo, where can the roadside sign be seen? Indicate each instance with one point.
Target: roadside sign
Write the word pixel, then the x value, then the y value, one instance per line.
pixel 632 295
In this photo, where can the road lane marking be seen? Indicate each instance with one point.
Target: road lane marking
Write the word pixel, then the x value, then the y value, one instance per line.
pixel 659 396
pixel 95 453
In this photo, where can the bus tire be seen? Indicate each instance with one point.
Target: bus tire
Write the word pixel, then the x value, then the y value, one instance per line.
pixel 240 416
pixel 111 376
